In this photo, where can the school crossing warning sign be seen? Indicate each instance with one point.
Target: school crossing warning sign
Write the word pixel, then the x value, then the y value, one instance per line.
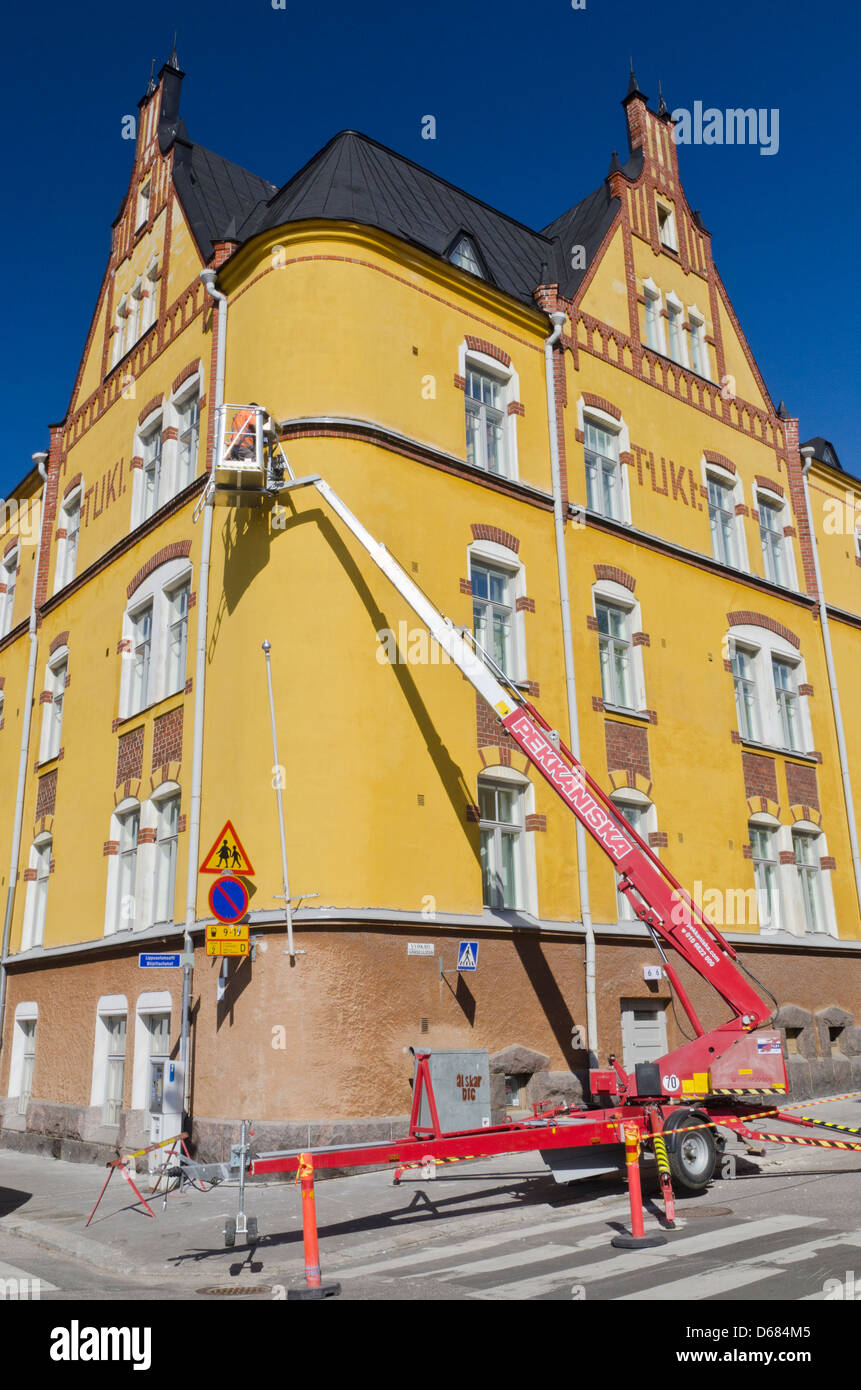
pixel 227 855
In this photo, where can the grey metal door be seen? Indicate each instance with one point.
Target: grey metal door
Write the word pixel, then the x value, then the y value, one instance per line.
pixel 644 1031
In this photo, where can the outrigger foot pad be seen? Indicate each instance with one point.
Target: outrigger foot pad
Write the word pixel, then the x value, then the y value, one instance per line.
pixel 626 1242
pixel 321 1291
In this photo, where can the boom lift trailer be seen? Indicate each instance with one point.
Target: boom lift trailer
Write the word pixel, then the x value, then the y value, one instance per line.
pixel 685 1094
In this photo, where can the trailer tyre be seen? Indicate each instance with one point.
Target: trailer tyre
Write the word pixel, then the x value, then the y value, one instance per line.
pixel 692 1157
pixel 229 1233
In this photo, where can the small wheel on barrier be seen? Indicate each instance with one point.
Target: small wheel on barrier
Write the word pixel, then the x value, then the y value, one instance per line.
pixel 230 1233
pixel 252 1229
pixel 692 1156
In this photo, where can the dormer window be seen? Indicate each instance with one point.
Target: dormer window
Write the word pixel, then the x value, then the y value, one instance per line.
pixel 464 254
pixel 667 227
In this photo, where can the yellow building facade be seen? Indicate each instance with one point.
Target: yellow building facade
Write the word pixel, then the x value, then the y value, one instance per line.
pixel 401 348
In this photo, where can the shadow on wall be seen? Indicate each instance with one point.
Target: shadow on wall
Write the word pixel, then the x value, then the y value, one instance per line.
pixel 822 1050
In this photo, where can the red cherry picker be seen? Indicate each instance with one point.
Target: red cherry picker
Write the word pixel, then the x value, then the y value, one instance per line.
pixel 673 1104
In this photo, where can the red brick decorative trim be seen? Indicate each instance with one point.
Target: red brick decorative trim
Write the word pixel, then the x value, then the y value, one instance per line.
pixel 460 382
pixel 61 640
pixel 137 461
pixel 146 837
pixel 46 794
pixel 466 587
pixel 619 576
pixel 524 605
pixel 745 616
pixel 9 547
pixel 473 814
pixel 760 776
pixel 805 689
pixel 150 407
pixel 827 861
pixel 535 822
pixel 597 704
pixel 175 551
pixel 659 839
pixel 111 847
pixel 45 697
pixel 483 532
pixel 601 403
pixel 169 433
pixel 190 370
pixel 516 408
pixel 720 460
pixel 741 509
pixel 72 484
pixel 641 639
pixel 769 485
pixel 489 349
pixel 787 856
pixel 789 532
pixel 627 748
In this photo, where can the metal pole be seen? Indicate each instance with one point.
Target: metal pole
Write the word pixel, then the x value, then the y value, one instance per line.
pixel 288 911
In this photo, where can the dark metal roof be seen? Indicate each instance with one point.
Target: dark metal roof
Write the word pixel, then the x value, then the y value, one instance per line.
pixel 355 179
pixel 584 225
pixel 216 195
pixel 824 451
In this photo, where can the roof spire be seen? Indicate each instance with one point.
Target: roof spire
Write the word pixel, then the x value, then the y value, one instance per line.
pixel 663 109
pixel 173 60
pixel 633 87
pixel 150 86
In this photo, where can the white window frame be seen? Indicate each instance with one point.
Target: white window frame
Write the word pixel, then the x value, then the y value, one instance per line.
pixel 151 428
pixel 815 837
pixel 699 350
pixel 602 420
pixel 730 481
pixel 167 795
pixel 511 780
pixel 764 824
pixel 36 898
pixel 493 556
pixel 151 1002
pixel 148 298
pixel 630 797
pixel 466 260
pixel 9 575
pixel 678 347
pixel 25 1013
pixel 51 733
pixel 190 391
pixel 67 549
pixel 109 1006
pixel 156 592
pixel 509 380
pixel 143 202
pixel 668 225
pixel 762 646
pixel 121 914
pixel 764 497
pixel 609 592
pixel 119 340
pixel 655 336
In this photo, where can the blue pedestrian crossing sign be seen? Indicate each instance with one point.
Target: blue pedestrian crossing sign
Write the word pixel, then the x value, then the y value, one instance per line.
pixel 467 955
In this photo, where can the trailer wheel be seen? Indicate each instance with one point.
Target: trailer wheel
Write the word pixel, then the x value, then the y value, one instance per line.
pixel 252 1230
pixel 229 1233
pixel 692 1157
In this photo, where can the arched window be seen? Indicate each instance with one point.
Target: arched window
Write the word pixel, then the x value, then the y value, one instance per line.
pixel 155 637
pixel 498 580
pixel 768 674
pixel 53 699
pixel 813 894
pixel 8 582
pixel 23 1059
pixel 491 386
pixel 36 902
pixel 764 831
pixel 618 616
pixel 123 904
pixel 505 799
pixel 67 545
pixel 109 1057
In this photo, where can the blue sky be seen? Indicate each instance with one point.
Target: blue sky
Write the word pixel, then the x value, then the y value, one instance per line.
pixel 526 100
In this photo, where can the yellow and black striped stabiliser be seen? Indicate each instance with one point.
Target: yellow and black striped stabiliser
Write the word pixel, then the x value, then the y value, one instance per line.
pixel 659 1144
pixel 738 1091
pixel 829 1124
pixel 461 1158
pixel 798 1139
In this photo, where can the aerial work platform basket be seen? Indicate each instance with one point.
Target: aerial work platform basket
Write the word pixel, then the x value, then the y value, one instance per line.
pixel 249 463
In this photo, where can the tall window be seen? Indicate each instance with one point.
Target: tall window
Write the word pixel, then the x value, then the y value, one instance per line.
pixel 502 831
pixel 667 227
pixel 674 321
pixel 636 814
pixel 603 489
pixel 786 694
pixel 763 843
pixel 67 549
pixel 127 861
pixel 189 436
pixel 37 897
pixel 28 1039
pixel 654 327
pixel 614 643
pixel 697 343
pixel 141 658
pixel 492 613
pixel 143 204
pixel 115 1025
pixel 746 700
pixel 177 635
pixel 773 540
pixel 722 520
pixel 151 453
pixel 149 298
pixel 9 578
pixel 809 880
pixel 52 710
pixel 485 421
pixel 119 338
pixel 158 1031
pixel 167 827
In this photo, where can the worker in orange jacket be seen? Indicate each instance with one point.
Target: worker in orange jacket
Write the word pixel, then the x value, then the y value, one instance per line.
pixel 243 432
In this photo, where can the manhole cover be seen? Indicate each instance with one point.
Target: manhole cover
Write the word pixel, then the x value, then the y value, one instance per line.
pixel 235 1290
pixel 699 1213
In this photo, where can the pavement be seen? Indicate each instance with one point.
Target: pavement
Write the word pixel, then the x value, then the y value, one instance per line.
pixel 773 1225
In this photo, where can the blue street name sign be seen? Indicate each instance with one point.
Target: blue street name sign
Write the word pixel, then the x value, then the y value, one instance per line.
pixel 152 960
